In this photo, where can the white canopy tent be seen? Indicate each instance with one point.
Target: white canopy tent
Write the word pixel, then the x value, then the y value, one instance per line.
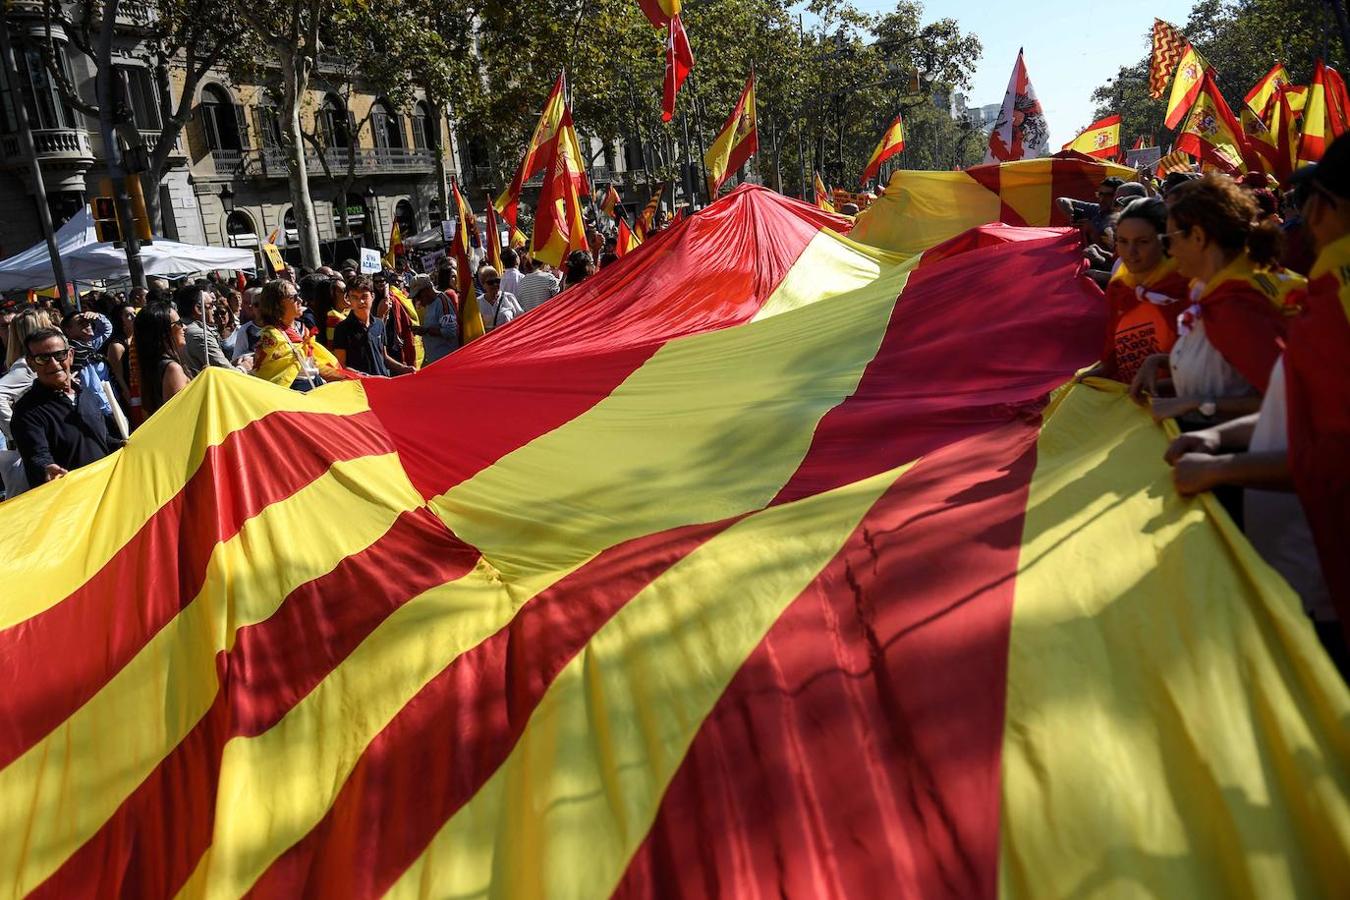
pixel 86 259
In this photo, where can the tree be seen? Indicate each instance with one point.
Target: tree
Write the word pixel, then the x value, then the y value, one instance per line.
pixel 193 36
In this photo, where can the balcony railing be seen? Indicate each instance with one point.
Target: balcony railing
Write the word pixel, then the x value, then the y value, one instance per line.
pixel 52 144
pixel 229 163
pixel 369 161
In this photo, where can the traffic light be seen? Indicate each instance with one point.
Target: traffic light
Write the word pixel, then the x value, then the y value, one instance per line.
pixel 105 219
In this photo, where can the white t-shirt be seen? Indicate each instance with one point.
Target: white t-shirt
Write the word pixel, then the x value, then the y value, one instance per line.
pixel 510 281
pixel 1200 371
pixel 504 310
pixel 1274 520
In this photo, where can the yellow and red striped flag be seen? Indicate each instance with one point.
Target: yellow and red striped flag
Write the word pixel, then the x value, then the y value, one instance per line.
pixel 1191 71
pixel 1259 97
pixel 1168 46
pixel 1326 113
pixel 1211 133
pixel 891 143
pixel 610 205
pixel 1100 140
pixel 470 318
pixel 647 218
pixel 538 150
pixel 1176 161
pixel 494 236
pixel 738 139
pixel 822 195
pixel 559 227
pixel 626 241
pixel 818 501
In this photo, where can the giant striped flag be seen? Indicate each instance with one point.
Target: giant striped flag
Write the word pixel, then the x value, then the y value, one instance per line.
pixel 765 564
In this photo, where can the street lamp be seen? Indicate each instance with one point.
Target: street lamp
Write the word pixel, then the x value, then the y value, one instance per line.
pixel 227 199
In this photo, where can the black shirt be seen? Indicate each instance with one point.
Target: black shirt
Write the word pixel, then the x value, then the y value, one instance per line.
pixel 50 427
pixel 364 345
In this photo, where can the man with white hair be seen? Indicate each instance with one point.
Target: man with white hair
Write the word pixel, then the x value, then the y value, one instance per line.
pixel 497 306
pixel 245 337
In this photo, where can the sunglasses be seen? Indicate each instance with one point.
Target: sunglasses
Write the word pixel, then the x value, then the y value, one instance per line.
pixel 43 358
pixel 492 281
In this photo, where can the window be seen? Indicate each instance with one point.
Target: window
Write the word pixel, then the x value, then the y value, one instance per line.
pixel 220 120
pixel 425 132
pixel 333 123
pixel 388 127
pixel 139 97
pixel 239 229
pixel 269 126
pixel 46 107
pixel 406 218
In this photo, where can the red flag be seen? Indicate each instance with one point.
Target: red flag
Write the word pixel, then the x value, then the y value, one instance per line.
pixel 626 240
pixel 534 162
pixel 679 63
pixel 1021 131
pixel 470 319
pixel 494 237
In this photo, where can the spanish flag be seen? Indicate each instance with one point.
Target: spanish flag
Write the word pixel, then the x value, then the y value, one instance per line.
pixel 1284 129
pixel 822 195
pixel 559 227
pixel 1190 76
pixel 891 143
pixel 536 151
pixel 610 205
pixel 738 139
pixel 1211 133
pixel 627 240
pixel 1100 140
pixel 1326 113
pixel 1259 97
pixel 759 567
pixel 470 319
pixel 395 246
pixel 494 237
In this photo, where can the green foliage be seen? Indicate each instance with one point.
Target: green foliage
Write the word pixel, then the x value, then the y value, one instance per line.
pixel 1241 39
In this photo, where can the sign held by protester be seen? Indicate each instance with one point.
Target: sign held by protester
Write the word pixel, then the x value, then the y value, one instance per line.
pixel 370 261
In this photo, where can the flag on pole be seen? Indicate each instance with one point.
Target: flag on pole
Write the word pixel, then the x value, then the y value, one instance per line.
pixel 679 57
pixel 494 237
pixel 1280 114
pixel 1324 113
pixel 1190 75
pixel 395 246
pixel 1212 134
pixel 626 240
pixel 822 194
pixel 610 205
pixel 1020 131
pixel 891 143
pixel 1258 98
pixel 647 217
pixel 559 227
pixel 1176 161
pixel 1100 140
pixel 738 139
pixel 1262 150
pixel 470 318
pixel 535 151
pixel 1168 45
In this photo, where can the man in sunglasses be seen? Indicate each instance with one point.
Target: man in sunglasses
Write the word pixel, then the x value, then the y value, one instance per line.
pixel 58 425
pixel 497 306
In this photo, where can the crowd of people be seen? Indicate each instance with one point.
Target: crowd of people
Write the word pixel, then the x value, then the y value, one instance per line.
pixel 1227 302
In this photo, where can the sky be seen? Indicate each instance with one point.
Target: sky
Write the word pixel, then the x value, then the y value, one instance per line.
pixel 1070 47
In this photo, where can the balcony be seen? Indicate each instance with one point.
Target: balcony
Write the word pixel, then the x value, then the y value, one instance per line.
pixel 63 146
pixel 229 163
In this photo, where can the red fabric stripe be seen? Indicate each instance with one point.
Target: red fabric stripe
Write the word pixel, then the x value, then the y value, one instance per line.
pixel 859 745
pixel 162 567
pixel 149 847
pixel 722 264
pixel 974 341
pixel 1073 178
pixel 449 739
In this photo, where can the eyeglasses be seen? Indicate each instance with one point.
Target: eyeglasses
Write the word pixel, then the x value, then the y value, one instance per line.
pixel 43 359
pixel 492 281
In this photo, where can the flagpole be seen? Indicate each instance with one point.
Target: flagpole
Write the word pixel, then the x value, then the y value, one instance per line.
pixel 698 131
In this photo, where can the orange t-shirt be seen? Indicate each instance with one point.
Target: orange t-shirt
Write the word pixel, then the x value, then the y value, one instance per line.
pixel 1142 317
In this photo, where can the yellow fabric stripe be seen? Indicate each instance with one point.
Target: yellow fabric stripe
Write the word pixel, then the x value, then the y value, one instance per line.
pixel 711 426
pixel 1027 189
pixel 275 787
pixel 1173 729
pixel 579 792
pixel 58 793
pixel 921 209
pixel 850 266
pixel 76 526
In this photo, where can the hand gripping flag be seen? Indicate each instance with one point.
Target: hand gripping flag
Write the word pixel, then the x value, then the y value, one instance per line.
pixel 559 227
pixel 536 151
pixel 738 139
pixel 1190 76
pixel 1020 131
pixel 470 318
pixel 822 195
pixel 1259 97
pixel 1211 133
pixel 1100 140
pixel 891 143
pixel 753 568
pixel 494 237
pixel 1168 45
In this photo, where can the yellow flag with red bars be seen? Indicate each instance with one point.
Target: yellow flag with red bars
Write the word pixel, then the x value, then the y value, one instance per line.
pixel 558 225
pixel 1190 73
pixel 1100 140
pixel 733 145
pixel 891 143
pixel 550 121
pixel 1325 113
pixel 822 195
pixel 470 318
pixel 1212 134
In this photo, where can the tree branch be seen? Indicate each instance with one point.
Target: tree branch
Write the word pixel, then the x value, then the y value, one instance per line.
pixel 58 75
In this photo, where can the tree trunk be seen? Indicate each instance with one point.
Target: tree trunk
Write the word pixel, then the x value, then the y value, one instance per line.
pixel 438 113
pixel 293 86
pixel 1342 23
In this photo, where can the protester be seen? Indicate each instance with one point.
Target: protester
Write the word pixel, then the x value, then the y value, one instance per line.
pixel 160 339
pixel 1229 337
pixel 359 339
pixel 580 266
pixel 496 306
pixel 438 312
pixel 537 284
pixel 510 271
pixel 59 424
pixel 245 337
pixel 1145 295
pixel 1095 214
pixel 120 355
pixel 8 310
pixel 87 333
pixel 287 354
pixel 18 374
pixel 337 308
pixel 202 348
